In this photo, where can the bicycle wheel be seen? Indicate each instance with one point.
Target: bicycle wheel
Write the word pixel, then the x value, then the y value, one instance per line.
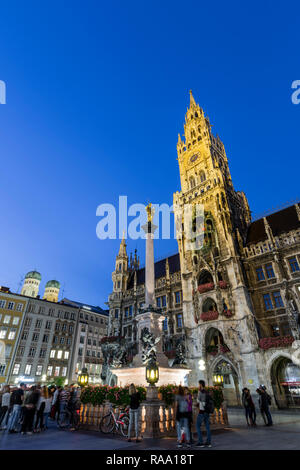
pixel 107 424
pixel 124 427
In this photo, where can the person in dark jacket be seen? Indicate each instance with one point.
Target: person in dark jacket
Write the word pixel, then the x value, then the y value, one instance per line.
pixel 30 404
pixel 249 407
pixel 203 416
pixel 16 401
pixel 134 412
pixel 265 401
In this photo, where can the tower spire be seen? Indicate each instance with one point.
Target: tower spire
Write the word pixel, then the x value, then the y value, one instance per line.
pixel 122 250
pixel 192 101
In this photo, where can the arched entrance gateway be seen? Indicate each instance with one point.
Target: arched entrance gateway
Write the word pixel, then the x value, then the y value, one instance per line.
pixel 285 379
pixel 220 368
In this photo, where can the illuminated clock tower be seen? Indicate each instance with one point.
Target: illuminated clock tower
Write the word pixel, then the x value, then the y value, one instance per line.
pixel 213 285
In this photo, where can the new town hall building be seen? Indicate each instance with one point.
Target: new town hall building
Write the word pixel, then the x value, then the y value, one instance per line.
pixel 234 304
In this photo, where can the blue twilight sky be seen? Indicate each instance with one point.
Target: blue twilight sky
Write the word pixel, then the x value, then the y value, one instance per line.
pixel 96 95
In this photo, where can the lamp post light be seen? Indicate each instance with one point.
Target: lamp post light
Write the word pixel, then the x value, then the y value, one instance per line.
pixel 83 377
pixel 152 372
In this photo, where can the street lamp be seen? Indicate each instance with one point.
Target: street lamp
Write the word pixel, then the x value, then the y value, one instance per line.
pixel 83 377
pixel 152 372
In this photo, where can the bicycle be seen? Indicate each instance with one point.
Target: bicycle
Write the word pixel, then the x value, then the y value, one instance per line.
pixel 112 422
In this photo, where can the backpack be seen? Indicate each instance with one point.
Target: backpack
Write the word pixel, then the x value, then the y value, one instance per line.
pixel 209 405
pixel 269 399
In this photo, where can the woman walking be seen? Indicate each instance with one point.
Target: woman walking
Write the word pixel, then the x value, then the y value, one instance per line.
pixel 47 409
pixel 134 412
pixel 39 421
pixel 190 411
pixel 182 417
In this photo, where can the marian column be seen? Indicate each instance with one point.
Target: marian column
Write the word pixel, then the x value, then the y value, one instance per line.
pixel 149 320
pixel 149 229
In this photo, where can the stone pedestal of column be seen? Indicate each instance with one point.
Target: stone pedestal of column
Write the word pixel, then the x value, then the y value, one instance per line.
pixel 152 415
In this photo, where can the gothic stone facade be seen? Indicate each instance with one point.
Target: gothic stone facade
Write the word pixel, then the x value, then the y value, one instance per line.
pixel 234 302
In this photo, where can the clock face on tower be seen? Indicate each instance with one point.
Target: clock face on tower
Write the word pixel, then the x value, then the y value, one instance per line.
pixel 193 158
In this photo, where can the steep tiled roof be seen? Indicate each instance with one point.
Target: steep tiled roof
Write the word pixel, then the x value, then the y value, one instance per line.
pixel 280 222
pixel 159 269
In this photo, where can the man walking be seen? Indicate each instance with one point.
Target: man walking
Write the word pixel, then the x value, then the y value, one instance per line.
pixel 204 401
pixel 16 401
pixel 265 401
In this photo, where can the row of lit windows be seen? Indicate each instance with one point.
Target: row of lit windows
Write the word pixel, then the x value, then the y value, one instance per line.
pixel 11 305
pixel 7 319
pixel 59 354
pixel 39 370
pixel 11 333
pixel 273 300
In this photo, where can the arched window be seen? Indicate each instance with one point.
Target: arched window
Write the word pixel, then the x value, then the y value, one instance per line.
pixel 205 278
pixel 209 305
pixel 202 176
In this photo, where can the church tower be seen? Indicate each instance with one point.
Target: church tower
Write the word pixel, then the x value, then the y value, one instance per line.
pixel 120 274
pixel 31 284
pixel 215 297
pixel 119 277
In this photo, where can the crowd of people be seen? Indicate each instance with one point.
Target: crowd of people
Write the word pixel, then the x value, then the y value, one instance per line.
pixel 205 404
pixel 28 409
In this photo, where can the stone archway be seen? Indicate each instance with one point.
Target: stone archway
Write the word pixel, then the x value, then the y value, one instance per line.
pixel 220 369
pixel 285 380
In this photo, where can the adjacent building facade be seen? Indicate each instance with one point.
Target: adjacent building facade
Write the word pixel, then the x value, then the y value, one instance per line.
pixel 41 337
pixel 12 312
pixel 233 303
